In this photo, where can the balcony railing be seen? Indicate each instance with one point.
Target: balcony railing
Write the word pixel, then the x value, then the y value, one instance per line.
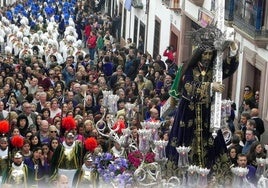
pixel 249 17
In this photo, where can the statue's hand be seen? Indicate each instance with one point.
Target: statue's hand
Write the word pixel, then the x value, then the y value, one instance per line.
pixel 218 87
pixel 233 46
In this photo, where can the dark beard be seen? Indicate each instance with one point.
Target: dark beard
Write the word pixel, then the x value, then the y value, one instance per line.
pixel 3 149
pixel 17 164
pixel 205 63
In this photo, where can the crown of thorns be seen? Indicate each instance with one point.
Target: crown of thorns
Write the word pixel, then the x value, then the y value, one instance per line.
pixel 205 38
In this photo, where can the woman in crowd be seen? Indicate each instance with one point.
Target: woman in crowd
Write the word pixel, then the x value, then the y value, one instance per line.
pixel 46 152
pixel 88 127
pixel 45 112
pixel 25 150
pixel 256 151
pixel 35 141
pixel 37 167
pixel 232 154
pixel 22 124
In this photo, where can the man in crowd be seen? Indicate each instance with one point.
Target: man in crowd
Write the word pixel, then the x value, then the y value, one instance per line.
pixel 242 162
pixel 250 138
pixel 67 158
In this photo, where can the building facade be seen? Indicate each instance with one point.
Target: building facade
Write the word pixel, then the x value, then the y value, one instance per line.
pixel 161 23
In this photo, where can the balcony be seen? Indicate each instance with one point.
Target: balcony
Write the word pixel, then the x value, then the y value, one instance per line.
pixel 172 4
pixel 197 2
pixel 248 20
pixel 137 4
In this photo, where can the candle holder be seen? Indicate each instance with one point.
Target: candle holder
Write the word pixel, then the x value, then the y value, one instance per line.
pixel 202 179
pixel 125 137
pixel 160 154
pixel 192 175
pixel 154 127
pixel 183 161
pixel 106 94
pixel 261 167
pixel 144 140
pixel 239 176
pixel 112 104
pixel 129 112
pixel 160 150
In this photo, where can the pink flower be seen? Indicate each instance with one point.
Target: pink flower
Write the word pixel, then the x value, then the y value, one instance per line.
pixel 136 157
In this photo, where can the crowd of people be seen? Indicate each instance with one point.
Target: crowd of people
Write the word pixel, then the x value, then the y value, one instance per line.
pixel 56 59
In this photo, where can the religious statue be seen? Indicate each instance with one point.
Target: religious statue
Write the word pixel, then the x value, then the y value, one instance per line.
pixel 192 125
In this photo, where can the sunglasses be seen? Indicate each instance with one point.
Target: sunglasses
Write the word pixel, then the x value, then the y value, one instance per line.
pixel 53 131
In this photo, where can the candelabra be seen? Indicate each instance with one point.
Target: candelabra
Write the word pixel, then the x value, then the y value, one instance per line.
pixel 150 173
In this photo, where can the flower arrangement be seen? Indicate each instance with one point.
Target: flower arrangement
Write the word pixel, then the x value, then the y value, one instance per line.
pixel 136 158
pixel 113 169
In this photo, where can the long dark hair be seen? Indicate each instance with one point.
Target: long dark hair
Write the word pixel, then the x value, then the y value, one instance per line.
pixel 252 155
pixel 192 62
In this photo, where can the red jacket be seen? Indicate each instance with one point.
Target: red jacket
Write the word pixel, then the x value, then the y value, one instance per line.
pixel 92 41
pixel 169 54
pixel 87 30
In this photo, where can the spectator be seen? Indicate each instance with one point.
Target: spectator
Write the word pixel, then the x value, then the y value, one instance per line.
pixel 256 151
pixel 42 103
pixel 250 139
pixel 231 118
pixel 249 96
pixel 170 53
pixel 242 162
pixel 43 133
pixel 232 154
pixel 91 44
pixel 62 181
pixel 259 122
pixel 23 124
pixel 243 122
pixel 3 113
pixel 235 143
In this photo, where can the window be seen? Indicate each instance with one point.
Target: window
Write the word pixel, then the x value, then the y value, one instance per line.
pixel 229 10
pixel 142 36
pixel 124 24
pixel 136 21
pixel 157 31
pixel 251 12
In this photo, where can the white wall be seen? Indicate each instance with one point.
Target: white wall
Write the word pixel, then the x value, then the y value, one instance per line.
pixel 167 17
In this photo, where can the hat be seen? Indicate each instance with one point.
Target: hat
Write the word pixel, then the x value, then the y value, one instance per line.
pixel 17 155
pixel 89 158
pixel 70 135
pixel 3 139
